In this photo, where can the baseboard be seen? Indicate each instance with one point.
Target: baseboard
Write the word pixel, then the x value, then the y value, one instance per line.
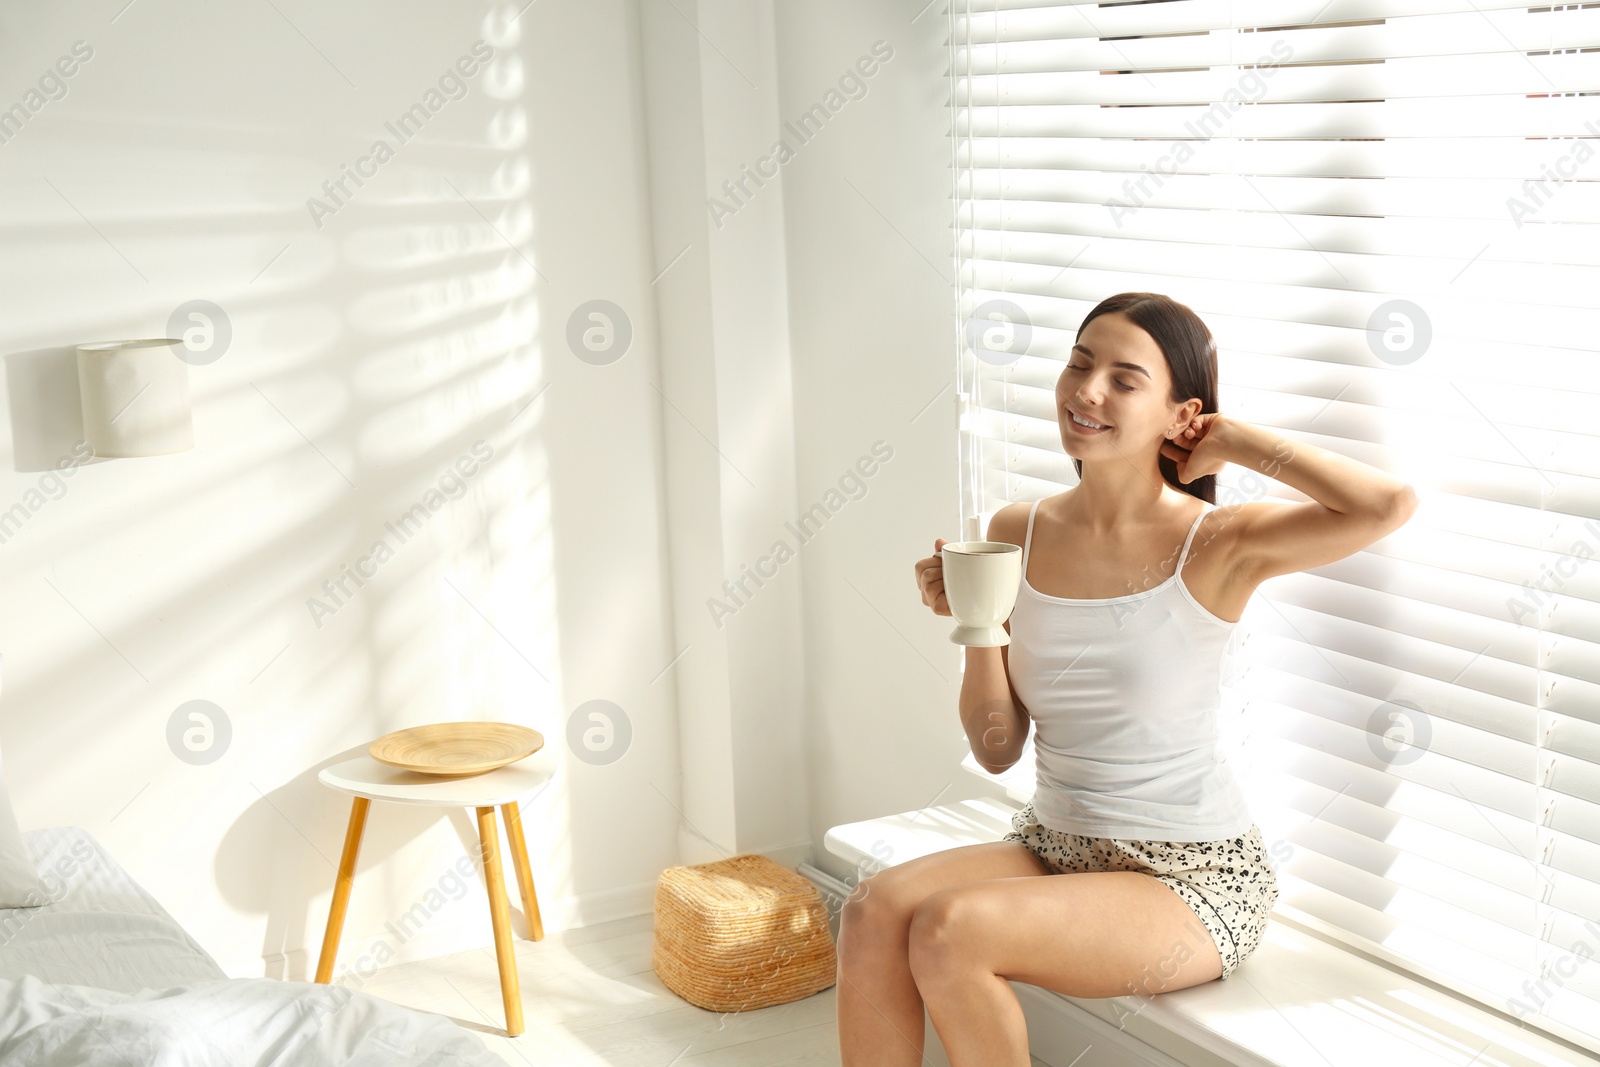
pixel 588 909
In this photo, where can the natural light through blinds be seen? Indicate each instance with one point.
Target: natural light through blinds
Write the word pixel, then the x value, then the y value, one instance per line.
pixel 1388 213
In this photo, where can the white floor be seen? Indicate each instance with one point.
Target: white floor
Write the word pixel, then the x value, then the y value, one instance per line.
pixel 590 997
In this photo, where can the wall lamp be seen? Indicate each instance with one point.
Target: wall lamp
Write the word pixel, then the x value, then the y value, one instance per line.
pixel 135 397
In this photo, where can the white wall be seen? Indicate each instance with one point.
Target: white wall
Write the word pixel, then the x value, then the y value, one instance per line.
pixel 872 327
pixel 729 442
pixel 796 359
pixel 367 355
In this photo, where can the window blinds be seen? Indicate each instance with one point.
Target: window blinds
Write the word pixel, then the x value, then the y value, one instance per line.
pixel 1388 213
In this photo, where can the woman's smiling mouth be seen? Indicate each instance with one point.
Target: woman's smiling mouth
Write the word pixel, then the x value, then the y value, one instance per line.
pixel 1084 426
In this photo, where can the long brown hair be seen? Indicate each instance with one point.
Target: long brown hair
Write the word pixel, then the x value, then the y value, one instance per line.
pixel 1191 359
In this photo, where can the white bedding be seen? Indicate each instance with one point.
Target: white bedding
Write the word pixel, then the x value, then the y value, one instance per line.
pixel 102 975
pixel 101 928
pixel 222 1021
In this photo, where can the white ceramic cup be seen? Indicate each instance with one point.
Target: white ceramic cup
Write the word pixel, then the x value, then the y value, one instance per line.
pixel 981 579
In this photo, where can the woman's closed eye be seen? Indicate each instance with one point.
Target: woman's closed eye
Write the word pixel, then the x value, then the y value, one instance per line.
pixel 1120 384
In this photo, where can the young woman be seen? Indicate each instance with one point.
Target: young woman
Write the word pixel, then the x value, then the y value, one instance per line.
pixel 1132 583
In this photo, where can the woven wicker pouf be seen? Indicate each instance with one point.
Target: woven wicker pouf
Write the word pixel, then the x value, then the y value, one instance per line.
pixel 741 933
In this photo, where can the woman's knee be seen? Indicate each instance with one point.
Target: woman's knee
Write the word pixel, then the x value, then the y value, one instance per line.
pixel 876 910
pixel 946 928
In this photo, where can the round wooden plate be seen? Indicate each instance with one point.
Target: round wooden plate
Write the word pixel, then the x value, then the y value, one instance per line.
pixel 453 749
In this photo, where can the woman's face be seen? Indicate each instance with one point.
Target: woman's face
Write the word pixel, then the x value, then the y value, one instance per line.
pixel 1116 376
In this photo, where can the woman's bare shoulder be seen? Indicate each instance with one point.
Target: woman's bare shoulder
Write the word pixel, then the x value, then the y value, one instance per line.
pixel 1010 523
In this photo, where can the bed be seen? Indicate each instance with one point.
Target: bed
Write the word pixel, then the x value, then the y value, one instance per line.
pixel 102 976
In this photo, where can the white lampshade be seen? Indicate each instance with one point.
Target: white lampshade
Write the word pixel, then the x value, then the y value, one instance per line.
pixel 135 397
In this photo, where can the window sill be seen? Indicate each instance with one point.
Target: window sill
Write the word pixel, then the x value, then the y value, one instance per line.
pixel 1301 1000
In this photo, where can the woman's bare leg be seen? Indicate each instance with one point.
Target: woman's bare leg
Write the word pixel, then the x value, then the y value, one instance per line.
pixel 881 1015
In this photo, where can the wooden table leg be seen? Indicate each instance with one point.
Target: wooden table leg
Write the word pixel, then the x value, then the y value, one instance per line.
pixel 341 888
pixel 500 913
pixel 519 860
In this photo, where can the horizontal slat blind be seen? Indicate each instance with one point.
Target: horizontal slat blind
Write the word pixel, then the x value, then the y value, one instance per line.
pixel 1422 719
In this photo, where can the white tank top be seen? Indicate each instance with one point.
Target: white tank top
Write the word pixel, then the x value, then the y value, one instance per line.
pixel 1124 693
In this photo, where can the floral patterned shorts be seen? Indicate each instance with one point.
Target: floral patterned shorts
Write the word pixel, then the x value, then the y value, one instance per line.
pixel 1228 882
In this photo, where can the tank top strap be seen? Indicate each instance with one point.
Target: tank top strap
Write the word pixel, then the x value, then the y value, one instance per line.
pixel 1028 539
pixel 1192 528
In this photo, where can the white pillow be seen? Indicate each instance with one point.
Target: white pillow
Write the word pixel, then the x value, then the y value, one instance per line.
pixel 20 885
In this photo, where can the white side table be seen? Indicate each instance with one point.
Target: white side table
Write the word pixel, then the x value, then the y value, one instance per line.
pixel 367 780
